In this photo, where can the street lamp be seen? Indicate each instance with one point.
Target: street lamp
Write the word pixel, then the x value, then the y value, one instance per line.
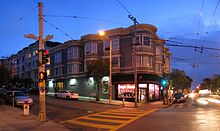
pixel 102 33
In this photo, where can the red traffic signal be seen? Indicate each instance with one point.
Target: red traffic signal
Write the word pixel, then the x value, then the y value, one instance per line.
pixel 45 56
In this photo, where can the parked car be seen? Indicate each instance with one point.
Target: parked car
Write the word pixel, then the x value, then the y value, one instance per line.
pixel 34 91
pixel 67 94
pixel 178 98
pixel 19 98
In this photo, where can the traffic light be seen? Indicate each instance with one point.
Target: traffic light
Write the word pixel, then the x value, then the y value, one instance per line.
pixel 42 76
pixel 164 82
pixel 45 56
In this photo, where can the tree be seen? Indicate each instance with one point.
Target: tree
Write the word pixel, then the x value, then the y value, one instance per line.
pixel 216 84
pixel 180 79
pixel 206 83
pixel 4 76
pixel 98 69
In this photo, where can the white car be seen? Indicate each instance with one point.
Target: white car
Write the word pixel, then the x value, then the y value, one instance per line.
pixel 67 94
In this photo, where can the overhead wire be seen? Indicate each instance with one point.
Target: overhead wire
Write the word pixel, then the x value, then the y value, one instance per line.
pixel 124 8
pixel 58 29
pixel 83 17
pixel 213 16
pixel 27 13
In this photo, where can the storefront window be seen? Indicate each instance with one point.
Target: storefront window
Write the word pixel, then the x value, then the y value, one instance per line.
pixel 126 90
pixel 157 92
pixel 154 92
pixel 151 92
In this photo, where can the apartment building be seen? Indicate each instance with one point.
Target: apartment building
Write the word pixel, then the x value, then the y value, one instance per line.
pixel 24 63
pixel 69 63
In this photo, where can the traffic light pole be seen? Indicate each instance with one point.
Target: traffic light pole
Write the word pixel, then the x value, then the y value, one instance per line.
pixel 41 68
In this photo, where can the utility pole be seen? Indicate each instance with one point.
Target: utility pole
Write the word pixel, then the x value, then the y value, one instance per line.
pixel 110 73
pixel 135 62
pixel 103 33
pixel 41 66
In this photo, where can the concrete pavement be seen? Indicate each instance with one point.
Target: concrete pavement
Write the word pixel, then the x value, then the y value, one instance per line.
pixel 13 119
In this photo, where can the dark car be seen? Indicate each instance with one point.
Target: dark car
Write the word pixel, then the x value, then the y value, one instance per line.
pixel 19 98
pixel 178 98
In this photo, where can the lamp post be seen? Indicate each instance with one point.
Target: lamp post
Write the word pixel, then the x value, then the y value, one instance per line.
pixel 102 33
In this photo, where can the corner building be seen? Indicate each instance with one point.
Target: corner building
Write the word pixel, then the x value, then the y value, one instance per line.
pixel 70 60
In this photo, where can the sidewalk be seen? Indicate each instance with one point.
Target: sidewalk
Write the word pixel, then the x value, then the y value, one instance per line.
pixel 156 104
pixel 12 119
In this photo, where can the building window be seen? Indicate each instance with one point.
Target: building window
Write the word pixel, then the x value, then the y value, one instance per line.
pixel 72 68
pixel 115 62
pixel 138 39
pixel 158 67
pixel 115 45
pixel 158 51
pixel 48 72
pixel 106 45
pixel 147 61
pixel 58 71
pixel 72 53
pixel 90 48
pixel 126 90
pixel 146 40
pixel 58 57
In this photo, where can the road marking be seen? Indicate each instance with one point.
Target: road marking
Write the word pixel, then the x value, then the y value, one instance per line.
pixel 135 118
pixel 108 116
pixel 105 120
pixel 112 119
pixel 91 124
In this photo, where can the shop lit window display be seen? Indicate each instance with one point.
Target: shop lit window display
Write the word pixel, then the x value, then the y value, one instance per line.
pixel 126 91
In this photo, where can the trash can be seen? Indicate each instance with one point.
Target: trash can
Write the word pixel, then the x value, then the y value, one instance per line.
pixel 26 108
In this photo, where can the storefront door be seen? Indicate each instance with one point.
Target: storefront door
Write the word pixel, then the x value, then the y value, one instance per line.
pixel 142 95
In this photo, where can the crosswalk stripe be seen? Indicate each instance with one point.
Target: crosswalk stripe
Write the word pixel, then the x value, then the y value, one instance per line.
pixel 104 120
pixel 109 116
pixel 112 113
pixel 131 120
pixel 128 112
pixel 91 124
pixel 116 119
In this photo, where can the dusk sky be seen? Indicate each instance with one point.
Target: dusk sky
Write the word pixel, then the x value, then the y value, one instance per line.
pixel 182 21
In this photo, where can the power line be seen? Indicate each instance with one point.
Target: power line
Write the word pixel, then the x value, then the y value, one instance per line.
pixel 190 46
pixel 58 29
pixel 124 7
pixel 200 16
pixel 89 18
pixel 213 16
pixel 27 13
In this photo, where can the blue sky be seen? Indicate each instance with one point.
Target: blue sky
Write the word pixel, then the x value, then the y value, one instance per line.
pixel 178 20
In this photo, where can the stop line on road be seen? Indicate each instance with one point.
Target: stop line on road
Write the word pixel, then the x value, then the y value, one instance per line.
pixel 111 120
